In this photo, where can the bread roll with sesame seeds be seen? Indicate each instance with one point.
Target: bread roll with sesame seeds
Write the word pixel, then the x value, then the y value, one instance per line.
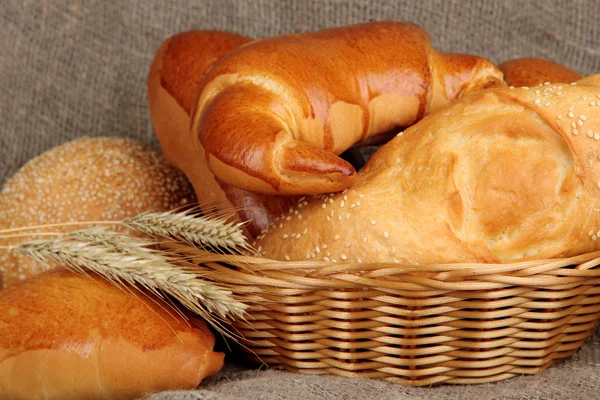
pixel 178 67
pixel 536 71
pixel 89 179
pixel 497 176
pixel 67 336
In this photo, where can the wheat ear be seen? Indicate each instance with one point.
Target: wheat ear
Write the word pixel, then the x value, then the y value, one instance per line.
pixel 124 259
pixel 213 232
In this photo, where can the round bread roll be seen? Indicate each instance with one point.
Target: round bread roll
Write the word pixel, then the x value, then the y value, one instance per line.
pixel 89 179
pixel 535 71
pixel 67 336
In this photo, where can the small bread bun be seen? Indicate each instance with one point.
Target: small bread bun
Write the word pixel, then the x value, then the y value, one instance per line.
pixel 67 336
pixel 89 179
pixel 536 71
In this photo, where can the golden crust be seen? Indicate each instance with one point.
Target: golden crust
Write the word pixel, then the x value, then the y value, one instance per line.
pixel 321 92
pixel 498 175
pixel 178 67
pixel 536 71
pixel 67 336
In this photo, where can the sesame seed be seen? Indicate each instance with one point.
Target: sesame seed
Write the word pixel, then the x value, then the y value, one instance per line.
pixel 547 104
pixel 285 236
pixel 590 133
pixel 328 217
pixel 307 256
pixel 365 239
pixel 344 257
pixel 593 104
pixel 580 122
pixel 572 107
pixel 538 101
pixel 575 131
pixel 386 235
pixel 373 222
pixel 299 216
pixel 281 225
pixel 287 258
pixel 597 135
pixel 336 237
pixel 361 195
pixel 342 203
pixel 326 259
pixel 582 117
pixel 348 244
pixel 591 232
pixel 288 218
pixel 559 116
pixel 324 246
pixel 323 205
pixel 317 249
pixel 305 231
pixel 571 115
pixel 358 203
pixel 594 237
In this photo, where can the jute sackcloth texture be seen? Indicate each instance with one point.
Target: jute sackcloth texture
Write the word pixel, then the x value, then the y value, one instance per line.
pixel 74 68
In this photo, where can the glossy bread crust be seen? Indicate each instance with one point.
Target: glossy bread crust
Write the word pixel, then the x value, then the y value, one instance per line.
pixel 66 336
pixel 274 114
pixel 536 71
pixel 178 67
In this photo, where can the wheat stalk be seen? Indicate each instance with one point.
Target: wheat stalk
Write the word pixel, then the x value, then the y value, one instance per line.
pixel 121 258
pixel 215 233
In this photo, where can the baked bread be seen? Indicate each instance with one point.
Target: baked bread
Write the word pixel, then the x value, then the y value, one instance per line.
pixel 175 75
pixel 67 336
pixel 89 179
pixel 273 114
pixel 536 71
pixel 496 176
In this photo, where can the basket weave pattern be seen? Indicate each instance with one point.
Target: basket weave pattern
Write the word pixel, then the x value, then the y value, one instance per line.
pixel 417 325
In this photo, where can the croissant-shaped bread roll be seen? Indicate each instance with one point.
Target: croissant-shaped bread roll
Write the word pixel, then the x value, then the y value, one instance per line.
pixel 499 175
pixel 536 71
pixel 173 80
pixel 273 114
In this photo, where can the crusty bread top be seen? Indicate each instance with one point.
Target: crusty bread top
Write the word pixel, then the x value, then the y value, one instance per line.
pixel 498 175
pixel 64 336
pixel 536 71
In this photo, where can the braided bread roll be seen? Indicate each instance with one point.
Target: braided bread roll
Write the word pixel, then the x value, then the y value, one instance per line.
pixel 273 114
pixel 499 175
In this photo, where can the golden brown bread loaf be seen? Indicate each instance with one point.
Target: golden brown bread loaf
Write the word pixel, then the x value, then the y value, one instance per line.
pixel 67 336
pixel 536 71
pixel 88 179
pixel 175 75
pixel 496 176
pixel 273 114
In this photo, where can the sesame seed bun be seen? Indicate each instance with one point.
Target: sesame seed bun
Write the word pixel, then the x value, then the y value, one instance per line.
pixel 89 179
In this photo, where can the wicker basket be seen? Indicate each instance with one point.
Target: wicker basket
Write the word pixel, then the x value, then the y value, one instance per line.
pixel 417 325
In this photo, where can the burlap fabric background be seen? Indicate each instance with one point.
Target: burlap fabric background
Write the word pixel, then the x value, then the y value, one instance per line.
pixel 73 68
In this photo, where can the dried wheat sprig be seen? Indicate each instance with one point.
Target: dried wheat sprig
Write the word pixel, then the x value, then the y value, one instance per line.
pixel 149 269
pixel 215 233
